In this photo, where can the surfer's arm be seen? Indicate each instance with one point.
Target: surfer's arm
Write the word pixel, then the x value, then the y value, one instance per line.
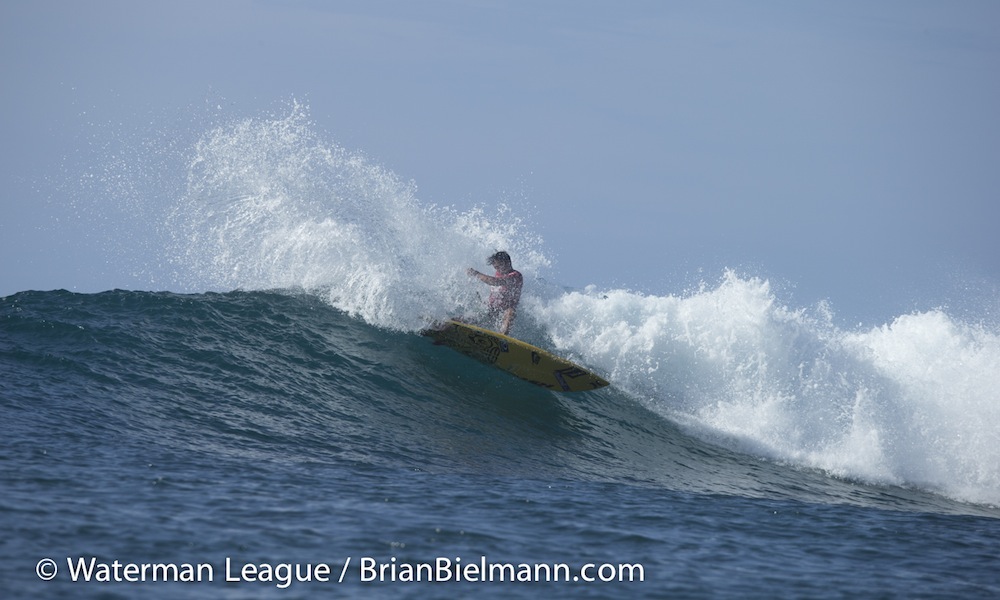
pixel 485 278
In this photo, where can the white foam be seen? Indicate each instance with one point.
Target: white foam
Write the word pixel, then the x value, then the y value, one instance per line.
pixel 912 403
pixel 271 205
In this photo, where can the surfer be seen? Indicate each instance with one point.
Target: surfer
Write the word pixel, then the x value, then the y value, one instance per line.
pixel 506 292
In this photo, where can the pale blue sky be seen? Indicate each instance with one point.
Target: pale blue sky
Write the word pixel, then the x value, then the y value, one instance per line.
pixel 847 150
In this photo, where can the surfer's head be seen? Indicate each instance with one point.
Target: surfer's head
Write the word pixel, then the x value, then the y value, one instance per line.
pixel 499 259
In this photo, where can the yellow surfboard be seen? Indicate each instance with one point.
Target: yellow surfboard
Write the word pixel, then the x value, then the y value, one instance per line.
pixel 518 358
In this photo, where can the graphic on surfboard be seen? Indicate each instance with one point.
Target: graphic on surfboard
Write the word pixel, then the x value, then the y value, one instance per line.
pixel 518 358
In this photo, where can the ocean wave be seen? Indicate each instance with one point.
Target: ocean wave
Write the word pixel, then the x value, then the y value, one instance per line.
pixel 270 204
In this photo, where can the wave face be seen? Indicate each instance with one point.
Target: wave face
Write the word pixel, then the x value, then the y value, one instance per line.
pixel 268 426
pixel 282 376
pixel 271 205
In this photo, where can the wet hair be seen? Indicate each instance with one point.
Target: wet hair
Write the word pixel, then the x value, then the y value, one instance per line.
pixel 499 257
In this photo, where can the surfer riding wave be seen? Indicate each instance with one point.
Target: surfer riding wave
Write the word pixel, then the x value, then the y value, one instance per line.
pixel 506 291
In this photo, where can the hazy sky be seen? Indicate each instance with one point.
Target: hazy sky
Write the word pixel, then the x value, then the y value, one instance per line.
pixel 848 150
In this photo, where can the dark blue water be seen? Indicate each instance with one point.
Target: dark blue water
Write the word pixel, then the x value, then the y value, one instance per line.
pixel 269 429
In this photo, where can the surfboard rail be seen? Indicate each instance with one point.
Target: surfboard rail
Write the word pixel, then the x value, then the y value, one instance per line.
pixel 516 357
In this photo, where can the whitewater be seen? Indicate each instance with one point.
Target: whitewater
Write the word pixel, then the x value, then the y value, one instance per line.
pixel 271 205
pixel 279 410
